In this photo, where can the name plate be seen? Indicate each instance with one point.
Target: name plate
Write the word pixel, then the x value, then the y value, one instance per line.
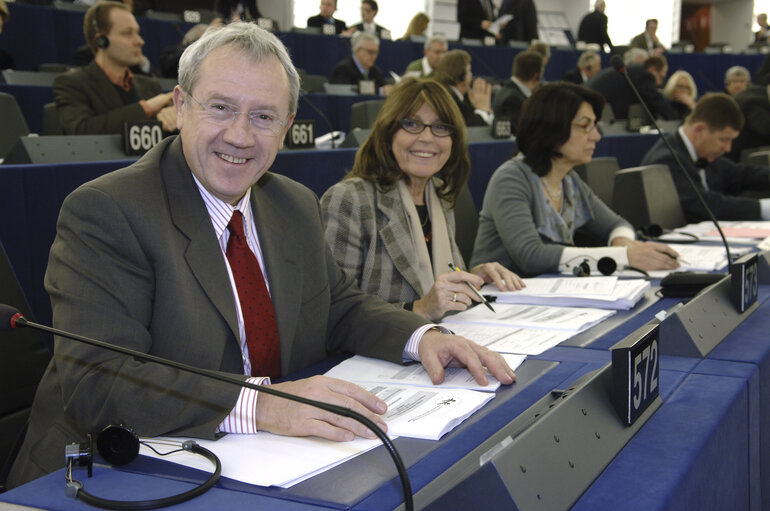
pixel 327 29
pixel 301 135
pixel 367 87
pixel 489 41
pixel 385 34
pixel 141 136
pixel 501 128
pixel 744 282
pixel 636 373
pixel 191 16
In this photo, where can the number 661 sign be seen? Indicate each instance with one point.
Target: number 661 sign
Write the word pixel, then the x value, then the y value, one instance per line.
pixel 636 373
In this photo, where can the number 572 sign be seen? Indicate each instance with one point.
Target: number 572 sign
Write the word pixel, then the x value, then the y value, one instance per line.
pixel 636 373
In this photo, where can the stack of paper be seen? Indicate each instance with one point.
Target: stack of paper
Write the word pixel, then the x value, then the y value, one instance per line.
pixel 599 292
pixel 743 231
pixel 567 319
pixel 503 339
pixel 701 258
pixel 416 407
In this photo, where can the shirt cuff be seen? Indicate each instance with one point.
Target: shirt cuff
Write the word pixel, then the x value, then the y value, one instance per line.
pixel 243 418
pixel 621 232
pixel 764 208
pixel 411 350
pixel 147 111
pixel 487 116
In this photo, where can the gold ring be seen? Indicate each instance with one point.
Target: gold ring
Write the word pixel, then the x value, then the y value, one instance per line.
pixel 454 298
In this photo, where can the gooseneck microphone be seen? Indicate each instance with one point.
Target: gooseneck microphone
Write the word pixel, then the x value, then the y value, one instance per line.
pixel 11 318
pixel 617 63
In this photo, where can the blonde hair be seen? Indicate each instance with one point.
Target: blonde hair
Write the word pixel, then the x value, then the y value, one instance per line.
pixel 668 90
pixel 417 25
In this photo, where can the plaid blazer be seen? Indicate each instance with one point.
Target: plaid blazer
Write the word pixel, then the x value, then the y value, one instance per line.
pixel 368 233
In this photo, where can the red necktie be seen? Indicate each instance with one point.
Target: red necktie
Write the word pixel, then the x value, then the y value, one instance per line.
pixel 258 313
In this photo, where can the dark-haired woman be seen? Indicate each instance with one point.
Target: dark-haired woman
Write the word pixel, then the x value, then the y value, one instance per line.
pixel 390 222
pixel 534 203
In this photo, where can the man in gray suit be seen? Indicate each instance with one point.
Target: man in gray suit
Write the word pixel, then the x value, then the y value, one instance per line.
pixel 140 260
pixel 101 97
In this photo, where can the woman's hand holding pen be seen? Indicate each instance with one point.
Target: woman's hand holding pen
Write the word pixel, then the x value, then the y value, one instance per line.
pixel 449 293
pixel 504 279
pixel 649 255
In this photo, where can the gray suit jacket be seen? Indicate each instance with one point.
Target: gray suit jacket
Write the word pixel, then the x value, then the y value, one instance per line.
pixel 136 262
pixel 89 104
pixel 369 237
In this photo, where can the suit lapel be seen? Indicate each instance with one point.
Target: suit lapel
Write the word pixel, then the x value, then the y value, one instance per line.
pixel 189 215
pixel 397 239
pixel 107 94
pixel 281 251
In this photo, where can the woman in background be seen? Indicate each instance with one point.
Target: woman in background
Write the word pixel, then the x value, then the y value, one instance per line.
pixel 681 92
pixel 417 26
pixel 390 222
pixel 534 203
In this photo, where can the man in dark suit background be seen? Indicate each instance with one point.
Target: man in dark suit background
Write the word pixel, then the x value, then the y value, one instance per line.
pixel 473 97
pixel 588 65
pixel 475 17
pixel 102 96
pixel 142 258
pixel 647 77
pixel 527 71
pixel 523 26
pixel 360 65
pixel 593 26
pixel 700 144
pixel 648 40
pixel 326 17
pixel 369 9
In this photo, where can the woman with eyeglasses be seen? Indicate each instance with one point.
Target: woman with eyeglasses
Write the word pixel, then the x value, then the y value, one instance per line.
pixel 681 92
pixel 390 223
pixel 535 204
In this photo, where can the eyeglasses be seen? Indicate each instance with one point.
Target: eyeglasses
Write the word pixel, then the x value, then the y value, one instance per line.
pixel 415 127
pixel 587 128
pixel 223 114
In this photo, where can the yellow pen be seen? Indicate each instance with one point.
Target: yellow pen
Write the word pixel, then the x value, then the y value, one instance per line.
pixel 476 291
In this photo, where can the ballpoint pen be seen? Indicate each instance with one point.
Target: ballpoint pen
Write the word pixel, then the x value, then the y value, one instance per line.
pixel 475 291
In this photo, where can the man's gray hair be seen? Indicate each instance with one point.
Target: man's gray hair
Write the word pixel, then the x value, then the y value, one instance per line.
pixel 587 58
pixel 737 72
pixel 437 38
pixel 634 56
pixel 360 37
pixel 257 43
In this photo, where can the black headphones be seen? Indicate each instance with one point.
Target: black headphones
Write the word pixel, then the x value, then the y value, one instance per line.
pixel 119 445
pixel 101 40
pixel 653 231
pixel 605 265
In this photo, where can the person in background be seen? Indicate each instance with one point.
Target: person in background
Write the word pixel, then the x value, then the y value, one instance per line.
pixel 435 47
pixel 523 26
pixel 543 49
pixel 390 222
pixel 100 97
pixel 475 18
pixel 755 134
pixel 681 92
pixel 417 26
pixel 473 97
pixel 527 72
pixel 326 17
pixel 369 10
pixel 648 40
pixel 169 57
pixel 647 77
pixel 6 61
pixel 593 27
pixel 700 143
pixel 589 63
pixel 197 253
pixel 763 34
pixel 360 65
pixel 535 204
pixel 737 79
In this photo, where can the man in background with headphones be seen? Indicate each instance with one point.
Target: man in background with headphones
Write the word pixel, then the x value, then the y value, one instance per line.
pixel 527 71
pixel 473 97
pixel 99 98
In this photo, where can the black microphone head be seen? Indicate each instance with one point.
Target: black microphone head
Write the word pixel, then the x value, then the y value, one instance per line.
pixel 654 230
pixel 617 63
pixel 582 269
pixel 606 266
pixel 7 314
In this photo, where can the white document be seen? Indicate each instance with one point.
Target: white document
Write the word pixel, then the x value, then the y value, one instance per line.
pixel 426 412
pixel 499 24
pixel 524 341
pixel 360 369
pixel 701 258
pixel 598 292
pixel 266 459
pixel 570 319
pixel 748 232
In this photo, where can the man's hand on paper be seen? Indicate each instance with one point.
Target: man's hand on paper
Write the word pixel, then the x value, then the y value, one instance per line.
pixel 284 417
pixel 438 350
